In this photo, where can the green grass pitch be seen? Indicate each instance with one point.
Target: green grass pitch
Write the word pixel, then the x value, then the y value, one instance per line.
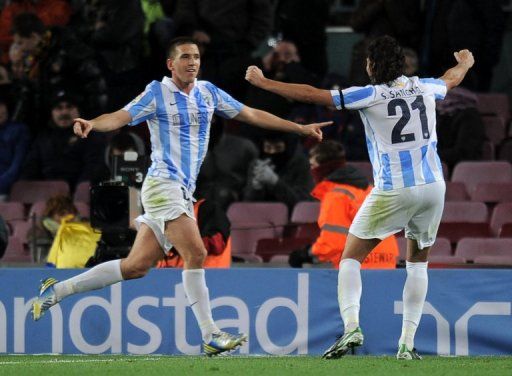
pixel 55 365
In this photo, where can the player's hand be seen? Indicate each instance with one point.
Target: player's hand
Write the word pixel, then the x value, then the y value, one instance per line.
pixel 464 57
pixel 315 130
pixel 254 75
pixel 82 127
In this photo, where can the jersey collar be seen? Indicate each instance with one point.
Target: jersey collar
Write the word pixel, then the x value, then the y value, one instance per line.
pixel 167 81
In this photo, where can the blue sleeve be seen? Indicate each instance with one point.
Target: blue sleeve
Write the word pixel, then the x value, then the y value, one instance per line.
pixel 353 98
pixel 436 86
pixel 225 105
pixel 143 107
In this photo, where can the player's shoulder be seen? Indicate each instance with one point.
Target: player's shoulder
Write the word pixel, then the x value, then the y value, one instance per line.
pixel 430 81
pixel 206 84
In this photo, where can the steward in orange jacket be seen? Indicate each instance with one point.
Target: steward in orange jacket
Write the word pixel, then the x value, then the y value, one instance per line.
pixel 341 195
pixel 341 190
pixel 214 228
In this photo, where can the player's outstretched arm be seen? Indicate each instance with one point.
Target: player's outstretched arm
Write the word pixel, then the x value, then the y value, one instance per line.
pixel 296 92
pixel 103 123
pixel 266 120
pixel 454 76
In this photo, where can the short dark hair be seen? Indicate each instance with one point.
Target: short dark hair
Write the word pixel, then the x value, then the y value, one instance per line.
pixel 24 24
pixel 327 151
pixel 387 60
pixel 178 42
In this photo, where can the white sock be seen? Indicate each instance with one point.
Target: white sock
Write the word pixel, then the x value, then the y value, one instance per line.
pixel 199 300
pixel 415 292
pixel 349 292
pixel 101 275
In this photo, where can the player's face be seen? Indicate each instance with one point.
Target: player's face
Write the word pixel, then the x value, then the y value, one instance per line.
pixel 185 63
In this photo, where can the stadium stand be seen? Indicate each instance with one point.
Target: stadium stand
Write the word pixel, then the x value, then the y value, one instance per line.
pixel 471 248
pixel 501 215
pixel 472 173
pixel 29 192
pixel 83 192
pixel 456 191
pixel 251 221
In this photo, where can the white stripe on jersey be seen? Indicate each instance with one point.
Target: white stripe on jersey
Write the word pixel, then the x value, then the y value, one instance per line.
pixel 400 127
pixel 179 125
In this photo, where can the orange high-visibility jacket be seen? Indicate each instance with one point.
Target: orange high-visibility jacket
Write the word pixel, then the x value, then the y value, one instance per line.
pixel 339 204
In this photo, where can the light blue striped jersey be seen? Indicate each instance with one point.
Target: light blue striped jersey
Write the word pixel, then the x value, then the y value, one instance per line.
pixel 400 127
pixel 179 125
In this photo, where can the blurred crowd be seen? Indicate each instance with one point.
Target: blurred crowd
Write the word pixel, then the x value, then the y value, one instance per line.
pixel 61 59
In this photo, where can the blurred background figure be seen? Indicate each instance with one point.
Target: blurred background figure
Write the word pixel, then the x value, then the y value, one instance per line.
pixel 459 127
pixel 46 60
pixel 14 139
pixel 58 154
pixel 223 175
pixel 281 173
pixel 451 25
pixel 228 32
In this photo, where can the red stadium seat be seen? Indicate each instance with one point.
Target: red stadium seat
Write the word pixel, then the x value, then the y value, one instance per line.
pixel 268 248
pixel 505 150
pixel 472 173
pixel 464 219
pixel 488 151
pixel 12 211
pixel 83 209
pixel 456 191
pixel 501 214
pixel 440 259
pixel 492 192
pixel 495 128
pixel 505 231
pixel 494 260
pixel 15 251
pixel 496 104
pixel 251 221
pixel 21 229
pixel 29 192
pixel 470 248
pixel 441 247
pixel 83 193
pixel 304 220
pixel 37 209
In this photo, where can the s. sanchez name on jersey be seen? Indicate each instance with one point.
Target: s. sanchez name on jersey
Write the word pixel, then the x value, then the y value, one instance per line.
pixel 179 125
pixel 400 126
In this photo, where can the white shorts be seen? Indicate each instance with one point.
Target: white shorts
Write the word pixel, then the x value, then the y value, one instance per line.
pixel 418 209
pixel 163 200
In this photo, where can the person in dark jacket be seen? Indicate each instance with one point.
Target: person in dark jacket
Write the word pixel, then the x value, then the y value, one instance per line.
pixel 281 173
pixel 14 138
pixel 47 60
pixel 58 154
pixel 459 127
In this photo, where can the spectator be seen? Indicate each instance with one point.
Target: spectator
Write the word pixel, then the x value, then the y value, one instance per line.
pixel 223 175
pixel 228 32
pixel 45 61
pixel 476 25
pixel 51 13
pixel 42 234
pixel 281 173
pixel 375 18
pixel 115 30
pixel 341 190
pixel 311 41
pixel 58 154
pixel 460 129
pixel 14 138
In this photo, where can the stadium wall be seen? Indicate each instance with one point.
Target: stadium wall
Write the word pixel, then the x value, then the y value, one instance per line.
pixel 285 311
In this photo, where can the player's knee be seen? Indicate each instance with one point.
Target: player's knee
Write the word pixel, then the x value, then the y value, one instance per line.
pixel 131 270
pixel 196 256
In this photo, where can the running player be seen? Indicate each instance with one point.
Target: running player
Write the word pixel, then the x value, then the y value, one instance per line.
pixel 178 111
pixel 399 116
